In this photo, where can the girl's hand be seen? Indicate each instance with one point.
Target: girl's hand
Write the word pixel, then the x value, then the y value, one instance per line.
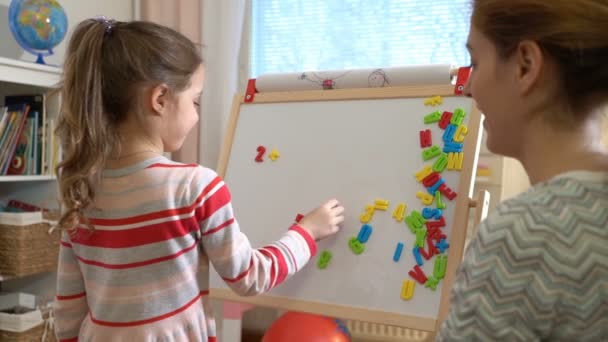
pixel 324 221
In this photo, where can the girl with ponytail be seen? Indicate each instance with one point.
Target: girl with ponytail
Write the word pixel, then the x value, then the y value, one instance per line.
pixel 140 230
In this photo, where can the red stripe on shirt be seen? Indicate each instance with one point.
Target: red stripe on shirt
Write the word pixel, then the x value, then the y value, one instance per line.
pixel 283 270
pixel 217 201
pixel 157 214
pixel 220 227
pixel 273 266
pixel 65 244
pixel 208 189
pixel 240 276
pixel 136 236
pixel 75 339
pixel 312 245
pixel 150 320
pixel 139 263
pixel 74 296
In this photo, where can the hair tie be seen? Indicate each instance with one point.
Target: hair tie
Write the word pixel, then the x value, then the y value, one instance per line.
pixel 107 23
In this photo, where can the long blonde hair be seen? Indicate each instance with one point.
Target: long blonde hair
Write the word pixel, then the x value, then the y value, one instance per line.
pixel 107 65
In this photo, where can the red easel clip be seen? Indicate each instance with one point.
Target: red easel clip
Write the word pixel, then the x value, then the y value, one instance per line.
pixel 461 79
pixel 251 91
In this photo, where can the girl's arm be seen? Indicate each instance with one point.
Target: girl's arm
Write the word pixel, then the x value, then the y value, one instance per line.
pixel 246 270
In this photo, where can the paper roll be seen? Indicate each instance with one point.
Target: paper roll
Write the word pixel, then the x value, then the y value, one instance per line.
pixel 356 78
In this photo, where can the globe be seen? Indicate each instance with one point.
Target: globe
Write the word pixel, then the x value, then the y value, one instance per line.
pixel 37 25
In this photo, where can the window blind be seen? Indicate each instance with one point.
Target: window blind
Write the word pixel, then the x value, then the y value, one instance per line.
pixel 303 35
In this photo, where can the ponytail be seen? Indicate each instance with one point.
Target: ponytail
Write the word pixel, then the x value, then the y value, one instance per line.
pixel 84 128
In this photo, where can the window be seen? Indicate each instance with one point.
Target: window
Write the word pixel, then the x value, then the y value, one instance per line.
pixel 304 35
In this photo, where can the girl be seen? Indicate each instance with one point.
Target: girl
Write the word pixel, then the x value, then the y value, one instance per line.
pixel 141 230
pixel 538 267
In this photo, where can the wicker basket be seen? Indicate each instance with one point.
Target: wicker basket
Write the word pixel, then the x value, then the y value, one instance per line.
pixel 26 250
pixel 36 334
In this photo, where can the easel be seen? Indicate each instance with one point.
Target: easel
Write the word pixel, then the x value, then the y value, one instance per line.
pixel 233 312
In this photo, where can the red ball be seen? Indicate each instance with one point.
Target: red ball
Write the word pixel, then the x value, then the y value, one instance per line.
pixel 303 327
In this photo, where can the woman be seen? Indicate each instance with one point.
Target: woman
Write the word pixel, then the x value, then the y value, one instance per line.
pixel 538 268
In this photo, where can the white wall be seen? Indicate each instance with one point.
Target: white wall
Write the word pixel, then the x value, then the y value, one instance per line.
pixel 76 10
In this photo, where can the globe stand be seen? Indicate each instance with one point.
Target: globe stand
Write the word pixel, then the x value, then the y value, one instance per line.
pixel 40 59
pixel 40 55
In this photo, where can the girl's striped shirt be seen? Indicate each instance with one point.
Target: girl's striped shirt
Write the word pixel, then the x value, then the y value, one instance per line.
pixel 142 274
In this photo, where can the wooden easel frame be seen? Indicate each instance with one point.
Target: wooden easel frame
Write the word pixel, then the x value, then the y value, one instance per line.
pixel 459 223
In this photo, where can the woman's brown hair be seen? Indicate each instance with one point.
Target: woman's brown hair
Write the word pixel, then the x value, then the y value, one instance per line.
pixel 574 33
pixel 107 65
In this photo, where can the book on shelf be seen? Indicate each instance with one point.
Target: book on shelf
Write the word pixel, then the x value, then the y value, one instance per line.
pixel 18 206
pixel 3 119
pixel 27 140
pixel 11 136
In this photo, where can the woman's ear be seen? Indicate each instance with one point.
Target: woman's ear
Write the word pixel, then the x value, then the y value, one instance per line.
pixel 159 99
pixel 530 60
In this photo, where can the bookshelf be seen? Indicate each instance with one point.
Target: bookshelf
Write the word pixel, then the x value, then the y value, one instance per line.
pixel 25 78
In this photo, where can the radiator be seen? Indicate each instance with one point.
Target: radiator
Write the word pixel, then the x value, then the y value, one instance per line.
pixel 373 332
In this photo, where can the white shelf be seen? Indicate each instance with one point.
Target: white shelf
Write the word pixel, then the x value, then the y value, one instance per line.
pixel 27 73
pixel 3 278
pixel 18 77
pixel 485 180
pixel 27 178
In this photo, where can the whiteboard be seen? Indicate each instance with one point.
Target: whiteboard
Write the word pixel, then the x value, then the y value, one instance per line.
pixel 356 150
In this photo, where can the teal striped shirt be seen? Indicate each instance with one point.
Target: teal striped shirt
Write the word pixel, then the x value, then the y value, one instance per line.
pixel 537 269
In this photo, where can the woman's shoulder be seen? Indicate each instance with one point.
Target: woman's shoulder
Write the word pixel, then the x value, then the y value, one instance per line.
pixel 571 187
pixel 577 191
pixel 568 206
